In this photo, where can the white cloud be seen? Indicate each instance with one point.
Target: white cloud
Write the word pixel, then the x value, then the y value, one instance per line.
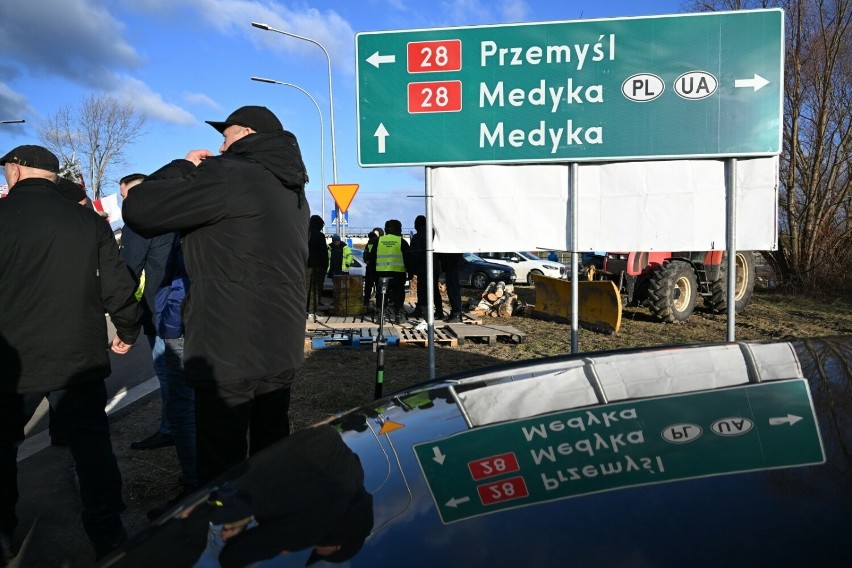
pixel 13 105
pixel 146 101
pixel 482 12
pixel 201 99
pixel 230 17
pixel 514 11
pixel 75 39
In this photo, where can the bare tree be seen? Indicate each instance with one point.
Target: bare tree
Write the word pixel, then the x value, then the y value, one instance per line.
pixel 96 136
pixel 815 198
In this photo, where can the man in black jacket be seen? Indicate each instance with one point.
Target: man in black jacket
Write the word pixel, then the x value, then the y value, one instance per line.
pixel 417 263
pixel 317 265
pixel 147 258
pixel 244 220
pixel 59 272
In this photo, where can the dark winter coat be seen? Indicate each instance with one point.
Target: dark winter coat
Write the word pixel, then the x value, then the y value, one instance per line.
pixel 152 256
pixel 59 272
pixel 317 248
pixel 415 260
pixel 245 246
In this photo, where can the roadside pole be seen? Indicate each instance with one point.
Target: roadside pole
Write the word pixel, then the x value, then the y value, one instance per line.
pixel 731 238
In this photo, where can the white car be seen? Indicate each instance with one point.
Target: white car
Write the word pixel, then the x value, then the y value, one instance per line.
pixel 526 264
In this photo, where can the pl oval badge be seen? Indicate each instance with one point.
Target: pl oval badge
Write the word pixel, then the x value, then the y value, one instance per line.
pixel 681 433
pixel 695 85
pixel 642 87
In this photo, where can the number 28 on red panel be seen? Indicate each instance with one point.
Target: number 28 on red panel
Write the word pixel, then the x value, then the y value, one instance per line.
pixel 433 56
pixel 435 96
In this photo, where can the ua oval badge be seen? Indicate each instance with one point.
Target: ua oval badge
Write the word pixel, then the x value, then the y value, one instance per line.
pixel 695 85
pixel 733 426
pixel 642 87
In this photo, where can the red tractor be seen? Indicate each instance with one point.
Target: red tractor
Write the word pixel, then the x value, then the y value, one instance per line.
pixel 669 283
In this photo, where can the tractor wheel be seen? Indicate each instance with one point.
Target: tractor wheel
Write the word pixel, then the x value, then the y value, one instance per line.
pixel 532 273
pixel 672 291
pixel 718 299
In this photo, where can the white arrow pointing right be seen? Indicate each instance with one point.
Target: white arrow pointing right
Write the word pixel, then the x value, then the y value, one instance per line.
pixel 789 419
pixel 381 133
pixel 755 83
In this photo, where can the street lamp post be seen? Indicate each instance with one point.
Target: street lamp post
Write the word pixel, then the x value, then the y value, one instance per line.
pixel 322 131
pixel 330 100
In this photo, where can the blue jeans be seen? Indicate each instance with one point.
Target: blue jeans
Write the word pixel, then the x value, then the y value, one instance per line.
pixel 180 409
pixel 158 347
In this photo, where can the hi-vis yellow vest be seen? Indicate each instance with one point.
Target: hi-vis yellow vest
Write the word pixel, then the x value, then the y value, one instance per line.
pixel 389 254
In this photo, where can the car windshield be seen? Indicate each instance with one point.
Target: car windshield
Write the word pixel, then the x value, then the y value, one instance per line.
pixel 529 255
pixel 358 253
pixel 470 257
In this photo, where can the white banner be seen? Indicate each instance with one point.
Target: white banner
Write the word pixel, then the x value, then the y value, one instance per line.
pixel 655 205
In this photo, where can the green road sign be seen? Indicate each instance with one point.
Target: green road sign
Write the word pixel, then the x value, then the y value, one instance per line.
pixel 698 85
pixel 567 454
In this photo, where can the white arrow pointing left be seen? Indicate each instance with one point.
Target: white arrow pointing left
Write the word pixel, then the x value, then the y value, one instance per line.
pixel 755 83
pixel 381 133
pixel 375 60
pixel 456 501
pixel 789 419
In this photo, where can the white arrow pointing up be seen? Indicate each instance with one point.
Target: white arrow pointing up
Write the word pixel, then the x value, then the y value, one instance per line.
pixel 456 501
pixel 789 419
pixel 381 133
pixel 439 457
pixel 375 60
pixel 756 83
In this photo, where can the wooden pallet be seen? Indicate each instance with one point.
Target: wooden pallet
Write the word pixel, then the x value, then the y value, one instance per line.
pixel 351 338
pixel 330 320
pixel 485 333
pixel 421 337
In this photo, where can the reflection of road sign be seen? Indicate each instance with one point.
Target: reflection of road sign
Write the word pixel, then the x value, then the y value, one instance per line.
pixel 567 454
pixel 650 87
pixel 343 194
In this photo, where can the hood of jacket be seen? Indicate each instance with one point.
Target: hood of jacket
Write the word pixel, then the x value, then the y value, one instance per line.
pixel 270 150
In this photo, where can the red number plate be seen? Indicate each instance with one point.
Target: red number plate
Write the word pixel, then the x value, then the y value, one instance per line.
pixel 435 96
pixel 434 56
pixel 494 465
pixel 504 490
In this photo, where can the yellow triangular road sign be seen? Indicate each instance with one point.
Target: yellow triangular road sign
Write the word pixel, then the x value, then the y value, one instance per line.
pixel 343 194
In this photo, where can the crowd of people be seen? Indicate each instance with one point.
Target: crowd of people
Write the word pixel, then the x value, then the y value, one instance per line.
pixel 218 262
pixel 388 256
pixel 211 270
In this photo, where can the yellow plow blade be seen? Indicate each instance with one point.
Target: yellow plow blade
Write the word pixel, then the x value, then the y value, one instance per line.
pixel 599 302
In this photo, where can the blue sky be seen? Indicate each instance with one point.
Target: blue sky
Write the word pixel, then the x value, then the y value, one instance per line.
pixel 186 61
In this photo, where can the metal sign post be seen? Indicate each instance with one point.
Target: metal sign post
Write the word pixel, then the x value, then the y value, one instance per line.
pixel 381 342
